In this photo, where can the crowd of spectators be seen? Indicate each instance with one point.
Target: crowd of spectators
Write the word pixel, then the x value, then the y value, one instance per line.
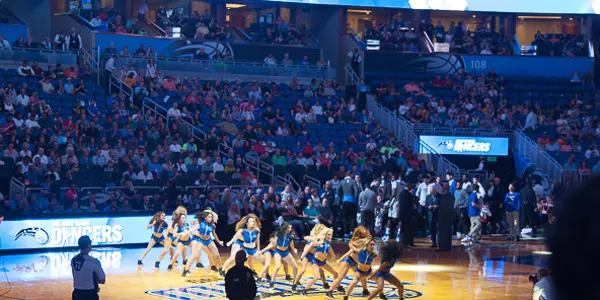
pixel 564 44
pixel 196 25
pixel 70 41
pixel 277 33
pixel 116 22
pixel 393 37
pixel 483 40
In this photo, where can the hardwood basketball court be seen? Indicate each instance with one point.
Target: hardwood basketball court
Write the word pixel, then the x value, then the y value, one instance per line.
pixel 493 270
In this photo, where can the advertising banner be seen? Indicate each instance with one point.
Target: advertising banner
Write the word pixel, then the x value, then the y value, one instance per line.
pixel 64 232
pixel 460 145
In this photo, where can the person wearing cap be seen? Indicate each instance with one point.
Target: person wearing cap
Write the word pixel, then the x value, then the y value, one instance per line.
pixel 87 272
pixel 239 281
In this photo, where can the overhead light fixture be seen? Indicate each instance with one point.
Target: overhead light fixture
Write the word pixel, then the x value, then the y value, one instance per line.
pixel 359 11
pixel 570 19
pixel 233 5
pixel 474 16
pixel 540 17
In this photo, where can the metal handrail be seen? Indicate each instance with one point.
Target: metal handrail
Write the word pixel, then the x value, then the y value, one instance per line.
pixel 155 26
pixel 294 184
pixel 260 167
pixel 351 76
pixel 120 86
pixel 543 161
pixel 86 57
pixel 429 43
pixel 358 39
pixel 312 182
pixel 403 131
pixel 16 187
pixel 161 111
pixel 208 61
pixel 243 32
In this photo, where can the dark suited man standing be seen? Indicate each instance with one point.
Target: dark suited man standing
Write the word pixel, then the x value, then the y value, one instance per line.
pixel 407 214
pixel 432 203
pixel 239 281
pixel 348 192
pixel 445 218
pixel 496 194
pixel 527 206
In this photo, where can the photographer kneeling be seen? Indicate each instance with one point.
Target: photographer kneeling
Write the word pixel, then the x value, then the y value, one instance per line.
pixel 542 285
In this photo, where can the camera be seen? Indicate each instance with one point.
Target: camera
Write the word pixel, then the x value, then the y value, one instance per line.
pixel 533 279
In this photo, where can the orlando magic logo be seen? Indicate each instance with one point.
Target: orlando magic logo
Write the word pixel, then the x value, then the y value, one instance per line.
pixel 449 145
pixel 39 234
pixel 190 48
pixel 216 290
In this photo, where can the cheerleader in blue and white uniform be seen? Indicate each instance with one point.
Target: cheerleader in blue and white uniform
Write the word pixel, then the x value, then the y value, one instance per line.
pixel 391 253
pixel 246 238
pixel 158 225
pixel 268 260
pixel 322 251
pixel 364 259
pixel 282 246
pixel 170 242
pixel 183 235
pixel 203 234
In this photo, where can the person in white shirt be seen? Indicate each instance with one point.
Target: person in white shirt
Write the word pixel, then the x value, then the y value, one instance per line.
pixel 109 68
pixel 87 272
pixel 145 175
pixel 591 152
pixel 270 60
pixel 217 166
pixel 151 69
pixel 317 109
pixel 181 167
pixel 403 109
pixel 422 192
pixel 254 94
pixel 96 21
pixel 4 44
pixel 24 69
pixel 18 120
pixel 543 289
pixel 530 121
pixel 174 111
pixel 32 123
pixel 175 147
pixel 43 158
pixel 22 99
pixel 142 11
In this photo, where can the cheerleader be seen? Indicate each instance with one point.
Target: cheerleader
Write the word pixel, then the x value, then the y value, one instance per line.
pixel 320 246
pixel 308 255
pixel 159 225
pixel 281 245
pixel 247 238
pixel 204 242
pixel 268 260
pixel 170 242
pixel 184 238
pixel 360 238
pixel 391 253
pixel 364 258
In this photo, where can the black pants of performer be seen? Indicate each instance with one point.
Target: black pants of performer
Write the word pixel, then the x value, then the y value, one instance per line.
pixel 356 68
pixel 496 220
pixel 527 217
pixel 408 230
pixel 107 75
pixel 348 216
pixel 367 219
pixel 85 295
pixel 463 221
pixel 432 221
pixel 421 222
pixel 445 233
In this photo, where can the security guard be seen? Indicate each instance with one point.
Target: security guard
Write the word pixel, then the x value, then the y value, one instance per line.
pixel 239 281
pixel 87 272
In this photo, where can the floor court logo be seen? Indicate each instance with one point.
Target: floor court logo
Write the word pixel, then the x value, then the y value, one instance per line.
pixel 206 289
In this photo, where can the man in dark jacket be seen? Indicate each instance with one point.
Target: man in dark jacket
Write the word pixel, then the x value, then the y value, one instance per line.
pixel 527 206
pixel 239 281
pixel 496 194
pixel 432 203
pixel 348 193
pixel 407 214
pixel 445 218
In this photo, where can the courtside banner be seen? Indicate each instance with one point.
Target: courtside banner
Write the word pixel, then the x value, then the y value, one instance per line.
pixel 64 232
pixel 462 145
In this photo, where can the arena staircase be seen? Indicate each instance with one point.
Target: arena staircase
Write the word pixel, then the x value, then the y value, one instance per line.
pixel 403 130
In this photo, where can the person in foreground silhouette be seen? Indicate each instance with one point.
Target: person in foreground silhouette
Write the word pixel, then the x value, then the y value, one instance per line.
pixel 575 243
pixel 239 281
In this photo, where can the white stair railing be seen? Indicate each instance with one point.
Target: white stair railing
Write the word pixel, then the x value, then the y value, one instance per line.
pixel 536 155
